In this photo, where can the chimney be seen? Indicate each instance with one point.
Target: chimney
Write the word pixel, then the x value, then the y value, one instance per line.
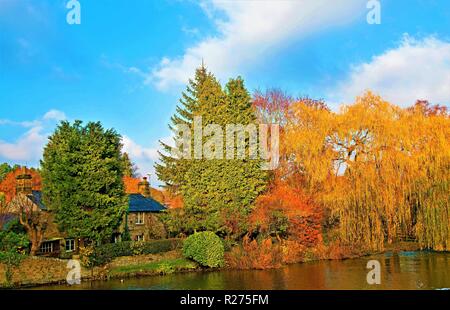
pixel 23 182
pixel 144 187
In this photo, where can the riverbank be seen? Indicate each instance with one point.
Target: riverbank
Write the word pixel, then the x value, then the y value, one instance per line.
pixel 38 271
pixel 421 270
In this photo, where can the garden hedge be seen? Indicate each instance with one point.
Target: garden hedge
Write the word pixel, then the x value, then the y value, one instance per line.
pixel 105 253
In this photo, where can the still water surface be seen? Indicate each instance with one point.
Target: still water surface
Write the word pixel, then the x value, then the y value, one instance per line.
pixel 404 270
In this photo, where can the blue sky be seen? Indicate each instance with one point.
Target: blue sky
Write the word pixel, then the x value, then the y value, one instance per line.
pixel 127 62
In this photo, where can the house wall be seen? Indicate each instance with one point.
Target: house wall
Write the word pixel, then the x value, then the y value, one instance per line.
pixel 151 229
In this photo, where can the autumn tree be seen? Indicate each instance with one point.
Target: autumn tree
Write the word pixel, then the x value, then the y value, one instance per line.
pixel 8 185
pixel 82 175
pixel 272 106
pixel 381 169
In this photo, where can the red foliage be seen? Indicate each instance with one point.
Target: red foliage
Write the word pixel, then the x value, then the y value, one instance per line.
pixel 306 230
pixel 8 185
pixel 427 109
pixel 272 105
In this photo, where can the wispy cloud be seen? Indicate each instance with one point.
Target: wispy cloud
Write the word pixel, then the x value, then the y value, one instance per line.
pixel 416 69
pixel 249 31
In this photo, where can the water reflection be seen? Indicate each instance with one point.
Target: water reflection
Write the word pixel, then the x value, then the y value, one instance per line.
pixel 405 270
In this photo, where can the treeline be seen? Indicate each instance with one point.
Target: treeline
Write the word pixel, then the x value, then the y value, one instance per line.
pixel 372 173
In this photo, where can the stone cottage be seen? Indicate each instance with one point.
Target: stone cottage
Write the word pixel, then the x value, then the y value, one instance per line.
pixel 141 220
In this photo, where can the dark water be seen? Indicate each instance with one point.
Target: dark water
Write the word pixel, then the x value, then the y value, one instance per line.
pixel 404 270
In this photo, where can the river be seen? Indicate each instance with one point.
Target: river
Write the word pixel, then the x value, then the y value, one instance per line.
pixel 403 270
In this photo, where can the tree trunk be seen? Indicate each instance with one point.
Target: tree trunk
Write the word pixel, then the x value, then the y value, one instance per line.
pixel 34 248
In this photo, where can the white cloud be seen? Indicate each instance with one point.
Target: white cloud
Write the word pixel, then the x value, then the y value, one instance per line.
pixel 137 151
pixel 251 31
pixel 27 149
pixel 417 69
pixel 144 157
pixel 55 115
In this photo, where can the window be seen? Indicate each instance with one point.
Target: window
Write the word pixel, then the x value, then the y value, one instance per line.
pixel 140 218
pixel 46 247
pixel 70 245
pixel 140 237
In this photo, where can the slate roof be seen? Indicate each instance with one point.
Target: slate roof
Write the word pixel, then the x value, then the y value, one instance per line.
pixel 136 203
pixel 36 197
pixel 139 203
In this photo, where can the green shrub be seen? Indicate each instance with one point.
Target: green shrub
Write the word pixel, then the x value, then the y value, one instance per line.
pixel 160 246
pixel 106 253
pixel 12 251
pixel 206 248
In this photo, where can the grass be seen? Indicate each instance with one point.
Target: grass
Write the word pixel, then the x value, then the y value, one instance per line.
pixel 164 266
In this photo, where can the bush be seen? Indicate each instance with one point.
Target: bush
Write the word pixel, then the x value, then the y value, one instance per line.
pixel 12 250
pixel 255 255
pixel 206 248
pixel 156 246
pixel 106 253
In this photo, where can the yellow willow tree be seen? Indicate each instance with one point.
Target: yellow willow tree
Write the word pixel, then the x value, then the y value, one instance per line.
pixel 382 169
pixel 429 128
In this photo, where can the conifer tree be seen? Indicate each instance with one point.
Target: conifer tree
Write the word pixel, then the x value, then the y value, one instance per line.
pixel 214 189
pixel 82 180
pixel 129 168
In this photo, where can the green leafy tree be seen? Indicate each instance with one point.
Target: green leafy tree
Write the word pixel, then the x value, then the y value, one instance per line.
pixel 213 188
pixel 13 248
pixel 82 180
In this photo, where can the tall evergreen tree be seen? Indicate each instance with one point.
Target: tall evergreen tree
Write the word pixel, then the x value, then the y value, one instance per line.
pixel 129 168
pixel 213 189
pixel 82 180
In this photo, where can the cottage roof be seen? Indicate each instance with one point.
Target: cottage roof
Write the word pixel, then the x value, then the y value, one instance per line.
pixel 136 203
pixel 36 198
pixel 139 203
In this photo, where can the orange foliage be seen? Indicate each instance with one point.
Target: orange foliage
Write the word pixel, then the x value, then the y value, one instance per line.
pixel 303 215
pixel 290 200
pixel 172 201
pixel 8 185
pixel 255 255
pixel 131 187
pixel 293 251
